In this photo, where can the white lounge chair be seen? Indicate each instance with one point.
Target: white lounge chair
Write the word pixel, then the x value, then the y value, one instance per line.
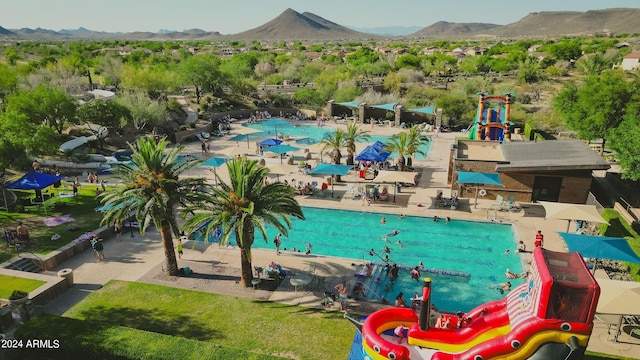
pixel 350 192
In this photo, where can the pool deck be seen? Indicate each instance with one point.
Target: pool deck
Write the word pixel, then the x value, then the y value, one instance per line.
pixel 140 258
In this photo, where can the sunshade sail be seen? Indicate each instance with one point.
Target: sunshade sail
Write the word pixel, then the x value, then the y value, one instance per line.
pixel 478 178
pixel 279 169
pixel 353 104
pixel 243 130
pixel 600 247
pixel 331 169
pixel 388 107
pixel 407 177
pixel 572 212
pixel 424 110
pixel 619 297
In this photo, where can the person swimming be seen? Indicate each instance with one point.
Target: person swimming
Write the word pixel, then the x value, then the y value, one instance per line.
pixel 393 233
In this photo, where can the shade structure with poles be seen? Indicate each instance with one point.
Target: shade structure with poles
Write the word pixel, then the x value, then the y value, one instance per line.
pixel 243 130
pixel 331 169
pixel 572 212
pixel 406 177
pixel 279 169
pixel 618 298
pixel 477 179
pixel 600 247
pixel 214 163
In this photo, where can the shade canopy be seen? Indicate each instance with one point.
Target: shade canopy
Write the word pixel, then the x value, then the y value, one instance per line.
pixel 214 162
pixel 619 297
pixel 331 169
pixel 370 153
pixel 33 180
pixel 281 149
pixel 270 142
pixel 424 110
pixel 388 107
pixel 407 177
pixel 478 178
pixel 600 247
pixel 572 212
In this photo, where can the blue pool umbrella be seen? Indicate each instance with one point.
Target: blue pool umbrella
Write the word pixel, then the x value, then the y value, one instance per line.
pixel 371 154
pixel 331 169
pixel 477 179
pixel 214 162
pixel 270 142
pixel 600 247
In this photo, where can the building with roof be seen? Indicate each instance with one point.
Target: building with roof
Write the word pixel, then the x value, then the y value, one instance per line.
pixel 552 170
pixel 631 61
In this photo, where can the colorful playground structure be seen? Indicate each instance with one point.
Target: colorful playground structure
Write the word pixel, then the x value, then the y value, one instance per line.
pixel 549 316
pixel 493 120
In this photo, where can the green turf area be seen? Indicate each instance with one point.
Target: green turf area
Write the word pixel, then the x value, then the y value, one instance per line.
pixel 618 227
pixel 247 325
pixel 10 283
pixel 81 209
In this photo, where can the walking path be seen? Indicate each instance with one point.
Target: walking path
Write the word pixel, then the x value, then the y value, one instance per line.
pixel 141 258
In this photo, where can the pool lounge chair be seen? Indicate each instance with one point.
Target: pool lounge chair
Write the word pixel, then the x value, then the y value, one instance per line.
pixel 499 202
pixel 350 191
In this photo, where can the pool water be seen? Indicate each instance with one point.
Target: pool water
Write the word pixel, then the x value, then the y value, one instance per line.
pixel 304 133
pixel 475 248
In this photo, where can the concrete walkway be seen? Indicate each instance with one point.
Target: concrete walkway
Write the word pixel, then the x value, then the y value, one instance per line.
pixel 141 258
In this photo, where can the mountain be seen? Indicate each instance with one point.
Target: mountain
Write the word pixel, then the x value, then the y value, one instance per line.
pixel 557 23
pixel 291 25
pixel 388 30
pixel 4 31
pixel 443 28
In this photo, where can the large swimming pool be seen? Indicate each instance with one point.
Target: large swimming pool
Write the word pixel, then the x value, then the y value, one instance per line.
pixel 475 248
pixel 304 133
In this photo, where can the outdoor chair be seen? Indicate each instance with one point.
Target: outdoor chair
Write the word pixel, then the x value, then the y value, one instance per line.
pixel 350 192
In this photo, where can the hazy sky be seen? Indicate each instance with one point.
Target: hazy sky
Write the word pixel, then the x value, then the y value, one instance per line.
pixel 234 16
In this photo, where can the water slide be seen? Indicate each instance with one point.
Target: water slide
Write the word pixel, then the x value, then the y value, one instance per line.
pixel 99 131
pixel 548 317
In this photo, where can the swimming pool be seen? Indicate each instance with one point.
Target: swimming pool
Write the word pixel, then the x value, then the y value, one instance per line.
pixel 476 248
pixel 304 133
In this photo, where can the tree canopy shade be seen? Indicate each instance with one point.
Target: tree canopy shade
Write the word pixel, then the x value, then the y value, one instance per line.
pixel 152 189
pixel 243 206
pixel 596 107
pixel 42 105
pixel 203 73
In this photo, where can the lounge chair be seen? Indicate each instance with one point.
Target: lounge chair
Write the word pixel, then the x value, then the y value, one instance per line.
pixel 384 194
pixel 499 202
pixel 350 191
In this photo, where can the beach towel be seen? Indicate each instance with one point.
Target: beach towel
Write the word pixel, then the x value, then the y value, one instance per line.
pixel 58 220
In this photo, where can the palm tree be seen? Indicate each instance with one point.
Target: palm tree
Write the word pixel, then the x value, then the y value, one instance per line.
pixel 400 144
pixel 151 190
pixel 243 206
pixel 336 141
pixel 353 135
pixel 416 142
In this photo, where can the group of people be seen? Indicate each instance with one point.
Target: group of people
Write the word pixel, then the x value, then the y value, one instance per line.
pixel 277 241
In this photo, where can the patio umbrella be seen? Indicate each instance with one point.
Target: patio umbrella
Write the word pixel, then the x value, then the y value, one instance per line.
pixel 572 212
pixel 270 142
pixel 478 178
pixel 600 247
pixel 214 162
pixel 618 298
pixel 281 149
pixel 279 169
pixel 232 151
pixel 407 177
pixel 331 169
pixel 243 130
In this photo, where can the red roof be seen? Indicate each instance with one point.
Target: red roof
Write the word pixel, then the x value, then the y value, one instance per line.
pixel 633 55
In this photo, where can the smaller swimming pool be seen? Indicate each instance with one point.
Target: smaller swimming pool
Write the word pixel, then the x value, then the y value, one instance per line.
pixel 304 133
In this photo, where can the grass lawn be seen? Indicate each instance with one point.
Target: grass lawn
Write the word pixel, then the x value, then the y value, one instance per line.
pixel 81 209
pixel 10 283
pixel 231 322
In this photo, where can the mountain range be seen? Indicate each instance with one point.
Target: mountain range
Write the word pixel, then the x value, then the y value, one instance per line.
pixel 292 25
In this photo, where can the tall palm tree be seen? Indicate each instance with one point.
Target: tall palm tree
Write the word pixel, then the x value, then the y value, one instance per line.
pixel 401 145
pixel 353 135
pixel 416 142
pixel 152 188
pixel 243 205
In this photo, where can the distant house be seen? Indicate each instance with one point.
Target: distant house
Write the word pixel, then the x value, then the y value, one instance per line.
pixel 430 50
pixel 631 61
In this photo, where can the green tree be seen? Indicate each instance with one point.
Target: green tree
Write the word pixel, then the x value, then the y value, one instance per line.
pixel 416 143
pixel 152 188
pixel 566 50
pixel 8 81
pixel 143 110
pixel 354 135
pixel 309 97
pixel 335 141
pixel 203 73
pixel 594 64
pixel 242 206
pixel 110 114
pixel 21 140
pixel 596 107
pixel 400 144
pixel 454 106
pixel 625 140
pixel 42 105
